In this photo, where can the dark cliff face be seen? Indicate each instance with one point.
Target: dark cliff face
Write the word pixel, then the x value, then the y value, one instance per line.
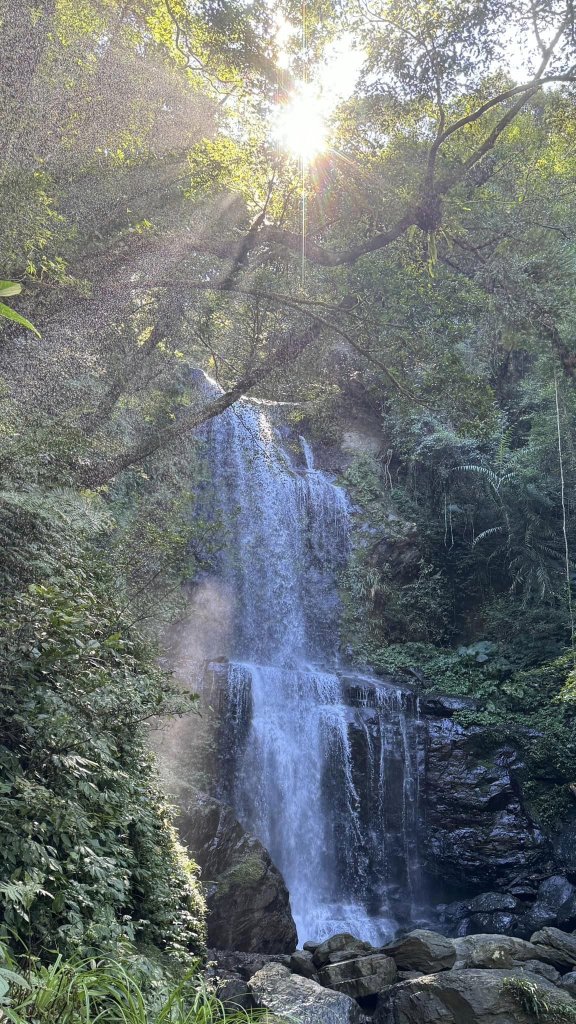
pixel 474 829
pixel 477 831
pixel 480 847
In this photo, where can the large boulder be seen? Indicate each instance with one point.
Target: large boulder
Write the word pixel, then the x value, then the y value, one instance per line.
pixel 488 913
pixel 568 983
pixel 535 917
pixel 291 997
pixel 559 895
pixel 462 997
pixel 233 963
pixel 248 902
pixel 555 904
pixel 342 946
pixel 496 951
pixel 489 902
pixel 559 947
pixel 229 971
pixel 422 950
pixel 537 967
pixel 520 912
pixel 364 976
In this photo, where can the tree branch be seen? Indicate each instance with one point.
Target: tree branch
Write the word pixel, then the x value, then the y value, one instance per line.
pixel 95 475
pixel 527 88
pixel 329 258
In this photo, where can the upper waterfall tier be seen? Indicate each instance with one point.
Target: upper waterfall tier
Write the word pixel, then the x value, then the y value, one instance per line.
pixel 287 531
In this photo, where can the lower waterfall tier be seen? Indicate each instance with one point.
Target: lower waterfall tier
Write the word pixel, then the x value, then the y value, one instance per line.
pixel 324 769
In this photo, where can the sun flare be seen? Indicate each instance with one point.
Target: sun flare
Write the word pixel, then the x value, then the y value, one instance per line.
pixel 301 127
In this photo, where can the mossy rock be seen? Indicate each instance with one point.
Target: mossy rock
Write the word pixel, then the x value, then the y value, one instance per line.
pixel 247 873
pixel 248 902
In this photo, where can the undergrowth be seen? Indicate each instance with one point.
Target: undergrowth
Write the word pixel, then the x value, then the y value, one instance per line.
pixel 109 991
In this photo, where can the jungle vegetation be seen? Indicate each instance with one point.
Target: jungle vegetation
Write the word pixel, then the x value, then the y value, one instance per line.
pixel 418 275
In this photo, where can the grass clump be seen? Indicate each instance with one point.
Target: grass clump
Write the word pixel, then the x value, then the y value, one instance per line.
pixel 107 990
pixel 536 1002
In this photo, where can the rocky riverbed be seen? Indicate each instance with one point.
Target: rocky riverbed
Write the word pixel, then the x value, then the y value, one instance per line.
pixel 422 977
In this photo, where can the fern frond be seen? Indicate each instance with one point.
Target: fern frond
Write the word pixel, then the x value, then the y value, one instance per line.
pixel 487 533
pixel 60 505
pixel 474 468
pixel 495 479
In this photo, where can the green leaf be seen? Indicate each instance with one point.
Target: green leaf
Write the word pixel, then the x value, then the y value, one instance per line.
pixel 12 978
pixel 11 314
pixel 10 288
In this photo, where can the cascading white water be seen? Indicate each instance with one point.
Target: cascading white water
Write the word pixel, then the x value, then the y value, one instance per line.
pixel 326 778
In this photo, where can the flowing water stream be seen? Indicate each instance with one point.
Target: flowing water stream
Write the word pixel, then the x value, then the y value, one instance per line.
pixel 322 764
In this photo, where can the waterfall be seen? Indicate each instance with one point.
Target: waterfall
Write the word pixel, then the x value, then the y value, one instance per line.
pixel 322 766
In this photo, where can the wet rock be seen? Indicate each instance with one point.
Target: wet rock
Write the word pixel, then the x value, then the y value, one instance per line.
pixel 501 922
pixel 340 947
pixel 495 951
pixel 230 972
pixel 362 977
pixel 555 904
pixel 564 842
pixel 524 888
pixel 461 997
pixel 441 706
pixel 490 912
pixel 301 963
pixel 503 912
pixel 294 998
pixel 558 895
pixel 477 830
pixel 232 963
pixel 248 902
pixel 533 919
pixel 556 892
pixel 452 913
pixel 568 983
pixel 422 950
pixel 558 946
pixel 233 992
pixel 488 902
pixel 536 967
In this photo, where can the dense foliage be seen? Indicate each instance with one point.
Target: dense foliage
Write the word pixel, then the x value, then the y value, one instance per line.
pixel 415 282
pixel 88 854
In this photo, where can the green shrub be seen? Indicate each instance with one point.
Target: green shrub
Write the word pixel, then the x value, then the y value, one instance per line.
pixel 88 854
